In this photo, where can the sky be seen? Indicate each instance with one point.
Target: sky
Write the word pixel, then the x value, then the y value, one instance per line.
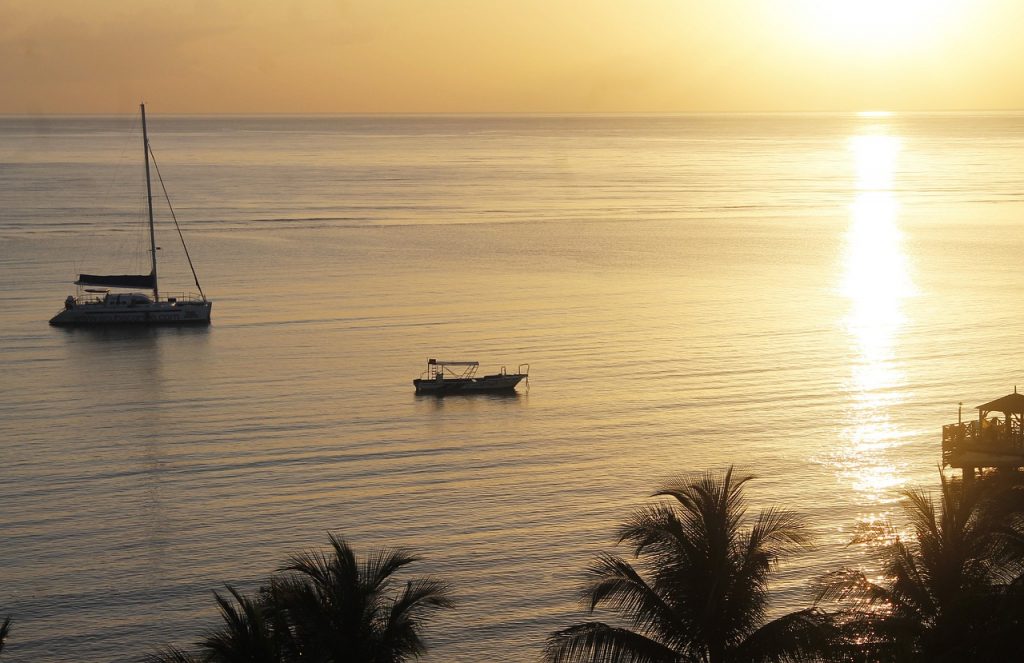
pixel 485 56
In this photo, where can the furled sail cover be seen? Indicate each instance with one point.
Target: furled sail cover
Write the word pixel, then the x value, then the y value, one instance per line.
pixel 140 281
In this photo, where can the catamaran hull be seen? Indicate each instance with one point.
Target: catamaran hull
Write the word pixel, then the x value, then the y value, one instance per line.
pixel 92 315
pixel 486 384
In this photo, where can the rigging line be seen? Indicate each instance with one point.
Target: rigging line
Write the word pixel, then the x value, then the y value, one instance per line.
pixel 176 226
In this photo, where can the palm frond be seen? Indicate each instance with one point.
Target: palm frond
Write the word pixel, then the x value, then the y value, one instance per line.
pixel 775 534
pixel 245 634
pixel 616 583
pixel 381 564
pixel 851 584
pixel 713 503
pixel 911 586
pixel 596 642
pixel 334 606
pixel 865 636
pixel 409 613
pixel 312 563
pixel 656 527
pixel 807 635
pixel 423 594
pixel 778 532
pixel 920 511
pixel 302 614
pixel 171 655
pixel 1008 544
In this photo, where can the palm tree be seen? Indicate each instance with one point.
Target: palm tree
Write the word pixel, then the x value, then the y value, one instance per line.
pixel 244 637
pixel 338 609
pixel 944 593
pixel 702 595
pixel 328 608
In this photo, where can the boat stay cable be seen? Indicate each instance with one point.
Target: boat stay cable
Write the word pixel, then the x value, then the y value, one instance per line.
pixel 176 226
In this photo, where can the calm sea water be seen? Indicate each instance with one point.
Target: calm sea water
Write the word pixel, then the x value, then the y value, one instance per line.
pixel 806 296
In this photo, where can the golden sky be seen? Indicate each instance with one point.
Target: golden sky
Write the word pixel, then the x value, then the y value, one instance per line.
pixel 297 56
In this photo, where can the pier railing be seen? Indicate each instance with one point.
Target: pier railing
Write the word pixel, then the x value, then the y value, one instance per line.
pixel 991 436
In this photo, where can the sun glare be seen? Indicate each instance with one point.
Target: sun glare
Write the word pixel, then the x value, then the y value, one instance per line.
pixel 876 280
pixel 876 276
pixel 872 25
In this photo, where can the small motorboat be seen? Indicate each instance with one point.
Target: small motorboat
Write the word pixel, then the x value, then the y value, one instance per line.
pixel 459 377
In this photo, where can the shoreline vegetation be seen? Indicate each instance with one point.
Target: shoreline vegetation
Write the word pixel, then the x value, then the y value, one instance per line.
pixel 696 588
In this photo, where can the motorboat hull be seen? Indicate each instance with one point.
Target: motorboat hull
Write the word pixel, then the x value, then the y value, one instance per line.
pixel 485 384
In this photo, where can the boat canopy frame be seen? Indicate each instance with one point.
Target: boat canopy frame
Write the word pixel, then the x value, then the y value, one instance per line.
pixel 436 368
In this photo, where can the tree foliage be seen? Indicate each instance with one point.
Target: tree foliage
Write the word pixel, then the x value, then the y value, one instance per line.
pixel 950 591
pixel 325 606
pixel 700 589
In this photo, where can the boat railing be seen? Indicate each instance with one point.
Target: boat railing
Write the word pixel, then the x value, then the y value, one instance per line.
pixel 180 296
pixel 988 435
pixel 437 369
pixel 184 296
pixel 522 369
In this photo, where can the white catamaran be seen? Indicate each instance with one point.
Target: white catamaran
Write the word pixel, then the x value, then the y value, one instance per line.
pixel 101 307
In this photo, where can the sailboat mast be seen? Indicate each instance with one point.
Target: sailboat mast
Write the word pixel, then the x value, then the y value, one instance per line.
pixel 149 197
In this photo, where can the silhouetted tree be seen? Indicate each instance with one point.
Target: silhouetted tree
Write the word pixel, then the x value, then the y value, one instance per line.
pixel 338 609
pixel 324 607
pixel 946 593
pixel 703 593
pixel 244 636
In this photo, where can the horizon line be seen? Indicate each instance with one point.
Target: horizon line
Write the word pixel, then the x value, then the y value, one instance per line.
pixel 866 113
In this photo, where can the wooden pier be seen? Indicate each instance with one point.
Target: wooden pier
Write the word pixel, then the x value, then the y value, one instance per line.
pixel 989 442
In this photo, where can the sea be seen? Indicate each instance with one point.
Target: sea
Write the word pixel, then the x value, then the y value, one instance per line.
pixel 806 297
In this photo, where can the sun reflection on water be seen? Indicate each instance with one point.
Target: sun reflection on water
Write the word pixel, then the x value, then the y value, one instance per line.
pixel 876 280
